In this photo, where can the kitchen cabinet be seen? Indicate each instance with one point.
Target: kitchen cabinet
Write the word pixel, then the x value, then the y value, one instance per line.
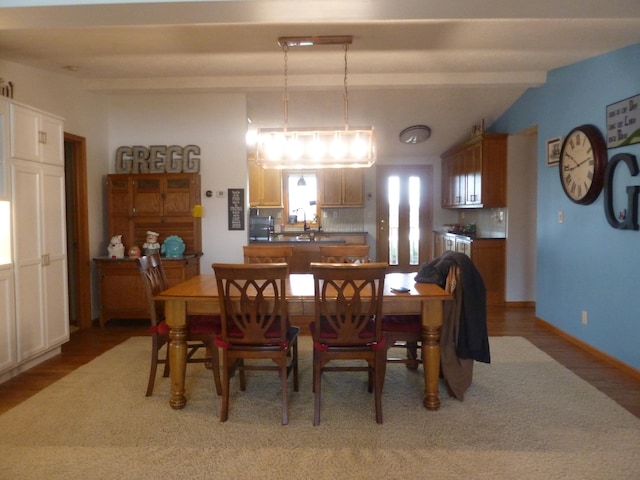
pixel 443 242
pixel 474 174
pixel 36 136
pixel 116 276
pixel 488 256
pixel 40 257
pixel 5 134
pixel 7 319
pixel 34 310
pixel 463 245
pixel 265 186
pixel 159 202
pixel 342 187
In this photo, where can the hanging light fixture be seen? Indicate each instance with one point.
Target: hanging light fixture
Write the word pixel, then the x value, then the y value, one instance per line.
pixel 301 181
pixel 316 147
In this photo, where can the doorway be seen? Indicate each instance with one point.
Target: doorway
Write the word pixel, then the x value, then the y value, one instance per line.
pixel 78 256
pixel 405 216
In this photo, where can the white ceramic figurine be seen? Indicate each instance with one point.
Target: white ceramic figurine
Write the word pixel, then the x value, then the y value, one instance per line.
pixel 116 248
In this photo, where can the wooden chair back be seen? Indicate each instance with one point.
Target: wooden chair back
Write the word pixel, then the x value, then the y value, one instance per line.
pixel 344 253
pixel 253 302
pixel 268 254
pixel 348 302
pixel 256 334
pixel 154 281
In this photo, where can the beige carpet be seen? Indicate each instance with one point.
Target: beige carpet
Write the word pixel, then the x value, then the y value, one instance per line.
pixel 525 417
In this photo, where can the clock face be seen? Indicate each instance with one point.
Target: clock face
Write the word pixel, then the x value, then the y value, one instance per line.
pixel 583 159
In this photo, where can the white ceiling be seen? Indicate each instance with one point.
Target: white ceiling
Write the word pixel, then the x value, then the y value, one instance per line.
pixel 444 64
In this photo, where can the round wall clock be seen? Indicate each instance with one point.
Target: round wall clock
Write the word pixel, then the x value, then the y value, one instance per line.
pixel 583 160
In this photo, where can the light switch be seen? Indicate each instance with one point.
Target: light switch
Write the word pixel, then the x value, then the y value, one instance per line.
pixel 560 216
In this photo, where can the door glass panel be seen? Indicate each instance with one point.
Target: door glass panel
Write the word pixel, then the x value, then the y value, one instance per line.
pixel 394 218
pixel 414 220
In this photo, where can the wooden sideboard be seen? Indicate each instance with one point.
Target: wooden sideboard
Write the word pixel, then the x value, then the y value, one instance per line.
pixel 160 202
pixel 120 286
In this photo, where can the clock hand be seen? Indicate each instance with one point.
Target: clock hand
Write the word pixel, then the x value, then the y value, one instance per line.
pixel 572 159
pixel 585 160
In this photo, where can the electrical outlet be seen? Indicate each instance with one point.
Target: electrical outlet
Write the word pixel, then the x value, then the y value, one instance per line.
pixel 584 317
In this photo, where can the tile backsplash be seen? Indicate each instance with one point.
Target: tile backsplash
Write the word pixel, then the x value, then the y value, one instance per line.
pixel 490 222
pixel 331 219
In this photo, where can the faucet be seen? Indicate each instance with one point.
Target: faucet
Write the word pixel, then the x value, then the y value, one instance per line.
pixel 305 227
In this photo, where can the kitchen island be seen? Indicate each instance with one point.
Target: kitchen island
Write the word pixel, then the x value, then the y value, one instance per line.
pixel 306 245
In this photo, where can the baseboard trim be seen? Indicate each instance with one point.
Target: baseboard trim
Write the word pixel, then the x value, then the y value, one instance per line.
pixel 614 362
pixel 520 304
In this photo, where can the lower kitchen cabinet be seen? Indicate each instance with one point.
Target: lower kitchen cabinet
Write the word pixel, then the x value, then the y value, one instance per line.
pixel 120 285
pixel 7 319
pixel 487 254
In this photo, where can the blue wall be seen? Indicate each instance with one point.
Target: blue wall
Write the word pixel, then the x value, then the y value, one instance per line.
pixel 584 264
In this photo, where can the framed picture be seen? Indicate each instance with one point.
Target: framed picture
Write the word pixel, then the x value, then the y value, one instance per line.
pixel 553 151
pixel 623 122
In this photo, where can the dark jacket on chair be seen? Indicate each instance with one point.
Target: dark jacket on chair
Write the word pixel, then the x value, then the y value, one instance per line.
pixel 473 339
pixel 463 337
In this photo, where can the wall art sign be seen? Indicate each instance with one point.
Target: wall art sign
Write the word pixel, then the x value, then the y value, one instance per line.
pixel 158 159
pixel 623 122
pixel 235 199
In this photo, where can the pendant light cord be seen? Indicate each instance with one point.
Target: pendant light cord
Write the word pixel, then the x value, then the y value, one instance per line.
pixel 346 91
pixel 285 98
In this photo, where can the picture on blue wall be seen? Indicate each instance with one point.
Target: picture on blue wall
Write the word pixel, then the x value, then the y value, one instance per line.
pixel 553 151
pixel 623 122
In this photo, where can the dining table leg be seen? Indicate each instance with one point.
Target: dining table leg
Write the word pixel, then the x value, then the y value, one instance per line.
pixel 431 323
pixel 176 317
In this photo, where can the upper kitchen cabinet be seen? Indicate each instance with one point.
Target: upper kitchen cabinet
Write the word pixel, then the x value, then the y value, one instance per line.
pixel 36 136
pixel 474 174
pixel 342 187
pixel 265 186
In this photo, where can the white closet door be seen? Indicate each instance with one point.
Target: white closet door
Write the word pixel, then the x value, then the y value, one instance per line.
pixel 56 310
pixel 26 178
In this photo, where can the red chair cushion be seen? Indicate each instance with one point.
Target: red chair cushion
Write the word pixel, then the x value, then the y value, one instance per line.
pixel 196 324
pixel 402 323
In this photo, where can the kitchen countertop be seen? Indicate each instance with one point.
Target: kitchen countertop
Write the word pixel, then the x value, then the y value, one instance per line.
pixel 296 237
pixel 293 239
pixel 480 236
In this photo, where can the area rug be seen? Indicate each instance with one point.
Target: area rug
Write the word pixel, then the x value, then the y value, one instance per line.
pixel 525 416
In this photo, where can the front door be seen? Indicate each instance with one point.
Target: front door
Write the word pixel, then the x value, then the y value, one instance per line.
pixel 405 216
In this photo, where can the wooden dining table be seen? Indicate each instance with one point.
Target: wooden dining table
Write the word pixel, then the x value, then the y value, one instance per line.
pixel 199 295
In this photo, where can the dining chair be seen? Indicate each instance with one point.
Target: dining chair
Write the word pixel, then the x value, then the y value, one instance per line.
pixel 405 331
pixel 256 332
pixel 268 254
pixel 344 253
pixel 201 329
pixel 347 325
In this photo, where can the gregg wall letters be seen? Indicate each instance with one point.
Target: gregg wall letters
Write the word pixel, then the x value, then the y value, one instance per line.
pixel 158 159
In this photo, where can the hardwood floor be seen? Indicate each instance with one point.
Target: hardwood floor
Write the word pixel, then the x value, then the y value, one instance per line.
pixel 88 344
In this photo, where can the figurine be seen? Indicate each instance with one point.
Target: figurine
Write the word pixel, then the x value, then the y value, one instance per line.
pixel 151 245
pixel 116 248
pixel 134 252
pixel 173 247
